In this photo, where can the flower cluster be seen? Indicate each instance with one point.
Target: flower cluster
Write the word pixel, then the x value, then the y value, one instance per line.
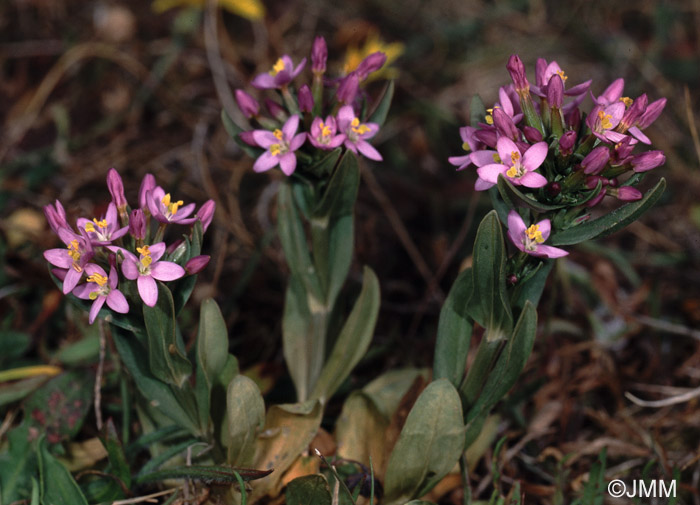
pixel 123 239
pixel 319 118
pixel 543 146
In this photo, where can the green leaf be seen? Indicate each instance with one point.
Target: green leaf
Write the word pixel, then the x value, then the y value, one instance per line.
pixel 178 404
pixel 17 465
pixel 380 113
pixel 429 446
pixel 517 198
pixel 610 223
pixel 212 353
pixel 332 228
pixel 182 288
pixel 57 485
pixel 488 304
pixel 531 288
pixel 387 390
pixel 353 340
pixel 245 418
pixel 166 359
pixel 297 335
pixel 210 475
pixel 19 389
pixel 115 453
pixel 477 111
pixel 325 165
pixel 454 332
pixel 294 242
pixel 234 132
pixel 510 363
pixel 308 490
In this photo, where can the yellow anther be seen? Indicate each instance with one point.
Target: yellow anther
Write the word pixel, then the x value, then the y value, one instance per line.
pixel 93 295
pixel 171 206
pixel 466 146
pixel 605 120
pixel 279 135
pixel 627 101
pixel 73 250
pixel 534 233
pixel 514 157
pixel 489 119
pixel 143 251
pixel 563 76
pixel 497 158
pixel 89 227
pixel 512 172
pixel 277 67
pixel 100 280
pixel 325 129
pixel 100 224
pixel 359 128
pixel 275 149
pixel 146 261
pixel 355 122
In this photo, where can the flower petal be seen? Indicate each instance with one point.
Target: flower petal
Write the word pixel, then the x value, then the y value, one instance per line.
pixel 637 133
pixel 485 157
pixel 117 302
pixel 535 155
pixel 368 150
pixel 95 309
pixel 482 185
pixel 532 180
pixel 505 147
pixel 167 271
pixel 58 257
pixel 545 227
pixel 130 269
pixel 516 226
pixel 461 162
pixel 263 81
pixel 83 291
pixel 297 141
pixel 148 289
pixel 550 252
pixel 288 162
pixel 290 126
pixel 157 251
pixel 264 138
pixel 265 162
pixel 71 280
pixel 345 117
pixel 490 173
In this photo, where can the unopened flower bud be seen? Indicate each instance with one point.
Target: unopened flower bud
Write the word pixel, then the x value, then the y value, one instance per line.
pixel 504 124
pixel 148 184
pixel 348 88
pixel 488 137
pixel 516 69
pixel 625 193
pixel 56 216
pixel 196 264
pixel 648 160
pixel 116 189
pixel 593 180
pixel 512 279
pixel 319 55
pixel 137 224
pixel 532 135
pixel 555 91
pixel 573 119
pixel 206 214
pixel 370 64
pixel 567 142
pixel 596 199
pixel 248 138
pixel 553 189
pixel 249 106
pixel 306 101
pixel 596 160
pixel 276 110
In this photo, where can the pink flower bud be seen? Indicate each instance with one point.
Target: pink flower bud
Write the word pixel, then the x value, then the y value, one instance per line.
pixel 567 143
pixel 625 193
pixel 196 264
pixel 596 160
pixel 56 216
pixel 532 135
pixel 319 55
pixel 555 91
pixel 248 138
pixel 516 69
pixel 573 119
pixel 249 106
pixel 276 110
pixel 648 160
pixel 540 71
pixel 504 124
pixel 116 189
pixel 306 100
pixel 622 151
pixel 596 199
pixel 370 64
pixel 488 137
pixel 347 89
pixel 137 224
pixel 148 184
pixel 206 214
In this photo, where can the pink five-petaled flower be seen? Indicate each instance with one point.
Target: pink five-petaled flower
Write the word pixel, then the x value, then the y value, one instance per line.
pixel 104 231
pixel 517 167
pixel 280 145
pixel 101 289
pixel 324 133
pixel 604 119
pixel 530 239
pixel 73 258
pixel 281 74
pixel 147 268
pixel 356 133
pixel 165 210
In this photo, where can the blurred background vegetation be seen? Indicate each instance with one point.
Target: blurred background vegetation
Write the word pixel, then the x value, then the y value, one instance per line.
pixel 87 86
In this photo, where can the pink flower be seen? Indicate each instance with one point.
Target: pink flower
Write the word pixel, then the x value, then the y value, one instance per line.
pixel 530 239
pixel 515 166
pixel 165 210
pixel 357 133
pixel 104 231
pixel 73 258
pixel 281 74
pixel 101 289
pixel 324 133
pixel 280 145
pixel 147 268
pixel 604 119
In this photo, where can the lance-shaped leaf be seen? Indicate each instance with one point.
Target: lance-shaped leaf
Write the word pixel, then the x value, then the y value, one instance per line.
pixel 115 452
pixel 210 475
pixel 325 165
pixel 165 356
pixel 56 483
pixel 332 229
pixel 488 304
pixel 294 243
pixel 610 223
pixel 353 340
pixel 297 336
pixel 509 364
pixel 245 418
pixel 515 197
pixel 429 446
pixel 531 288
pixel 380 113
pixel 308 490
pixel 454 331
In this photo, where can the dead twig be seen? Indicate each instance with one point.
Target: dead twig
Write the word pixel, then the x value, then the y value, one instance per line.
pixel 674 400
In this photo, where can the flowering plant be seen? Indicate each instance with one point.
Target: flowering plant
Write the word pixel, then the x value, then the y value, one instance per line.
pixel 546 163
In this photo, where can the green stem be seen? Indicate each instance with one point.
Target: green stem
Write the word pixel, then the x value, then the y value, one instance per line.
pixel 289 101
pixel 486 355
